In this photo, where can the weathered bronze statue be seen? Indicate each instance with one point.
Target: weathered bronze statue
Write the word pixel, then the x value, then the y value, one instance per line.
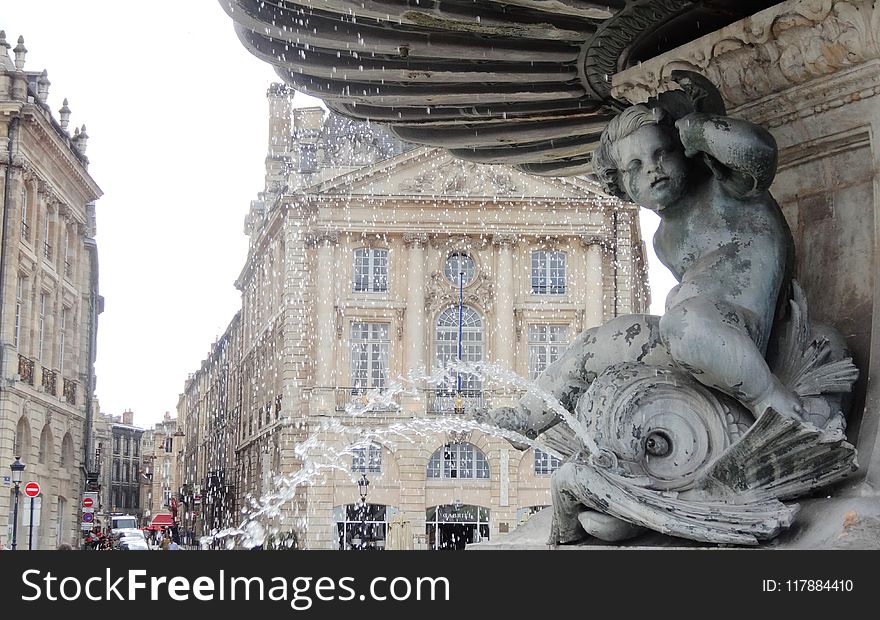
pixel 670 401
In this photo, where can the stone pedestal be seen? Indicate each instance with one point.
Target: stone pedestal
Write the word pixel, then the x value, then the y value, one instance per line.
pixel 810 73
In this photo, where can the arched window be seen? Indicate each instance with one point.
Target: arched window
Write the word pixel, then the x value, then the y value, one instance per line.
pixel 45 445
pixel 22 445
pixel 370 270
pixel 548 272
pixel 458 460
pixel 67 451
pixel 446 341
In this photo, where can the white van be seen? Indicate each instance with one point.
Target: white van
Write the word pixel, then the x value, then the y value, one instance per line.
pixel 123 522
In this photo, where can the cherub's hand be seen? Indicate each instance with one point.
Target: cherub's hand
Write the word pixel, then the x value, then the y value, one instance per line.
pixel 690 131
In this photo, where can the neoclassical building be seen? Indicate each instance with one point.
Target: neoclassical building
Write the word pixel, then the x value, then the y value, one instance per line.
pixel 49 304
pixel 372 266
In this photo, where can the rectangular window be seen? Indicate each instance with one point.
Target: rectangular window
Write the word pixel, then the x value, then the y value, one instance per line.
pixel 369 355
pixel 548 272
pixel 370 270
pixel 68 268
pixel 19 305
pixel 62 333
pixel 25 229
pixel 47 246
pixel 42 326
pixel 545 464
pixel 546 344
pixel 367 460
pixel 308 157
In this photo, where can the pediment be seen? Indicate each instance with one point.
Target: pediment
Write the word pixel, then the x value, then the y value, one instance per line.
pixel 434 173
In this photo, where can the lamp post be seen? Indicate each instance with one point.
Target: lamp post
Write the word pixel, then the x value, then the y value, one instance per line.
pixel 17 470
pixel 363 483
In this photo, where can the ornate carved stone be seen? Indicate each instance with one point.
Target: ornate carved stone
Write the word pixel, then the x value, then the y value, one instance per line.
pixel 399 315
pixel 458 243
pixel 322 237
pixel 783 46
pixel 505 240
pixel 417 240
pixel 439 292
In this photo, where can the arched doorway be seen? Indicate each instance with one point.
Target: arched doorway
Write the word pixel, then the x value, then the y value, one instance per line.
pixel 453 526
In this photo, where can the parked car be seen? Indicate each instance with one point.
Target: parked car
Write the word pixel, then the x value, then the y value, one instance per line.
pixel 133 544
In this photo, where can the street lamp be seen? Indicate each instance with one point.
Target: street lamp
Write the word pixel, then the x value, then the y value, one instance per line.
pixel 363 483
pixel 17 471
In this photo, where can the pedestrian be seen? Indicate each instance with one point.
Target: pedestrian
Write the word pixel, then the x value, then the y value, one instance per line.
pixel 166 542
pixel 173 546
pixel 64 547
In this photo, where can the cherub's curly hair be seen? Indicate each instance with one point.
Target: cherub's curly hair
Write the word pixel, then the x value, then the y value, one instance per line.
pixel 605 161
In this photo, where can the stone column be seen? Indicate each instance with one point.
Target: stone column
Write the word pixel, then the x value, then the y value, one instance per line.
pixel 415 300
pixel 505 338
pixel 594 294
pixel 325 320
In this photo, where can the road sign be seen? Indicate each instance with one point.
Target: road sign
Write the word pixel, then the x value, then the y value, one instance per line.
pixel 32 489
pixel 88 517
pixel 88 502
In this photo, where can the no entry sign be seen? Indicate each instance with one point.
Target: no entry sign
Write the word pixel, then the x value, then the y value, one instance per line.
pixel 32 489
pixel 88 502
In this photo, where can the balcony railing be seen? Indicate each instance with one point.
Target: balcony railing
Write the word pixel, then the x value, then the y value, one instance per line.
pixel 26 369
pixel 374 399
pixel 47 250
pixel 50 379
pixel 24 231
pixel 451 401
pixel 70 391
pixel 68 269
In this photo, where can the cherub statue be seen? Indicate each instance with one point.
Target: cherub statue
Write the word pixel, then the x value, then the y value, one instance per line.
pixel 725 240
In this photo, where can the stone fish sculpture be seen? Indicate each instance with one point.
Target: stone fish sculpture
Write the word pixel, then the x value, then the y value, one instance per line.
pixel 697 423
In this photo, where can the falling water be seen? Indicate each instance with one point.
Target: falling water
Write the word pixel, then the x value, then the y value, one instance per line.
pixel 256 527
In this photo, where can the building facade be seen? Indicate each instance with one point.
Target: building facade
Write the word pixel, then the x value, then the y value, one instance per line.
pixel 49 304
pixel 160 446
pixel 373 266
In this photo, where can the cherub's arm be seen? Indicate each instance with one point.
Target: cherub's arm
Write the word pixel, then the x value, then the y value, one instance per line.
pixel 746 152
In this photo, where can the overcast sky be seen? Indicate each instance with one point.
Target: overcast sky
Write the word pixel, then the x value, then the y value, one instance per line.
pixel 176 113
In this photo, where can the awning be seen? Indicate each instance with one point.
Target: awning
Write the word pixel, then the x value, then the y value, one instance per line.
pixel 161 520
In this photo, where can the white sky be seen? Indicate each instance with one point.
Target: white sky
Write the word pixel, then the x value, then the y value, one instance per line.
pixel 176 112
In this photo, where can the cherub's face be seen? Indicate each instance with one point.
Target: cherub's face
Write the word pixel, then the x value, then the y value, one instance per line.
pixel 653 168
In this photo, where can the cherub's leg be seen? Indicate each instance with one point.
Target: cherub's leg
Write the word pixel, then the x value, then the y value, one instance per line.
pixel 629 338
pixel 715 341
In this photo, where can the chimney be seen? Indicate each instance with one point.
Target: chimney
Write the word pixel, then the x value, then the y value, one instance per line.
pixel 128 417
pixel 5 61
pixel 20 51
pixel 280 100
pixel 43 86
pixel 64 115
